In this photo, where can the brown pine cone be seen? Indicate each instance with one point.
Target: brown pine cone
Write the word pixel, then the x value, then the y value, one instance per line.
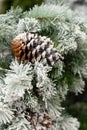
pixel 39 121
pixel 29 47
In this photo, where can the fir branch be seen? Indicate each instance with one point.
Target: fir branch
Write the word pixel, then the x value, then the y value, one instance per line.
pixel 28 25
pixel 6 114
pixel 68 123
pixel 54 107
pixel 78 86
pixel 42 12
pixel 55 2
pixel 31 101
pixel 8 23
pixel 18 79
pixel 20 123
pixel 44 85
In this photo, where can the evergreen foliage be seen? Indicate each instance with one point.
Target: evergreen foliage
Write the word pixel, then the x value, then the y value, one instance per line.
pixel 41 88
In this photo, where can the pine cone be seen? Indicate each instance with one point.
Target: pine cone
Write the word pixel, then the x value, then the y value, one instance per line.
pixel 28 47
pixel 39 121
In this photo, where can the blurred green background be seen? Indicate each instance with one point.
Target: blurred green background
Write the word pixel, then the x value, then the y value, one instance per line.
pixel 79 110
pixel 76 105
pixel 25 5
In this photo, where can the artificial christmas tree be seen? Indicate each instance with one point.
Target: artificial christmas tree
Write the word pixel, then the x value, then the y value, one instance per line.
pixel 31 93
